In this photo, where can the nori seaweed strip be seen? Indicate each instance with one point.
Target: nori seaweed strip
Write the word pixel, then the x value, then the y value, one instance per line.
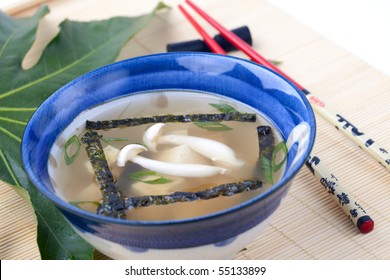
pixel 266 147
pixel 112 201
pixel 232 116
pixel 228 189
pixel 266 140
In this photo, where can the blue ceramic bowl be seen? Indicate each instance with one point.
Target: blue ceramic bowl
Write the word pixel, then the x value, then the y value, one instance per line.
pixel 217 235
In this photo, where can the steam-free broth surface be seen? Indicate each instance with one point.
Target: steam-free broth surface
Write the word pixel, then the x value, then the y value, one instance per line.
pixel 75 182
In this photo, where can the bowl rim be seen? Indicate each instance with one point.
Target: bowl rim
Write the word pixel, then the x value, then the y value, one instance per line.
pixel 62 204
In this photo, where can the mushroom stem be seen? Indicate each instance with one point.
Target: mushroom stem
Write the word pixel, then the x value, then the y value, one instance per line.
pixel 150 136
pixel 130 153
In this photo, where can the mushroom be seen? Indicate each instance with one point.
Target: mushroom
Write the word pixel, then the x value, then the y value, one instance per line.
pixel 214 150
pixel 130 153
pixel 150 136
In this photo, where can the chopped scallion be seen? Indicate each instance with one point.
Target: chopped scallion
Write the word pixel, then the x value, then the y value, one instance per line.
pixel 72 149
pixel 156 178
pixel 213 126
pixel 279 147
pixel 223 108
pixel 78 203
pixel 111 139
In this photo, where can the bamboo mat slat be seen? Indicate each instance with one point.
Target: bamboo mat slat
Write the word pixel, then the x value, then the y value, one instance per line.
pixel 308 225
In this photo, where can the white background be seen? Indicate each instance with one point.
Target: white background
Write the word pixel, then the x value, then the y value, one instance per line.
pixel 360 26
pixel 282 269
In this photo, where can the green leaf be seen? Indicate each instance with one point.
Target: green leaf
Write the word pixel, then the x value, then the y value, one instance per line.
pixel 78 203
pixel 266 169
pixel 213 126
pixel 113 139
pixel 217 126
pixel 156 178
pixel 223 108
pixel 279 147
pixel 78 48
pixel 72 149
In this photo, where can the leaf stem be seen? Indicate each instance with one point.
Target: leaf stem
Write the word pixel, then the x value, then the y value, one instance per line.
pixel 16 109
pixel 12 121
pixel 61 70
pixel 8 167
pixel 6 44
pixel 10 134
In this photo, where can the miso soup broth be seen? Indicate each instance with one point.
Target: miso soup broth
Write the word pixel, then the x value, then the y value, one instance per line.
pixel 74 178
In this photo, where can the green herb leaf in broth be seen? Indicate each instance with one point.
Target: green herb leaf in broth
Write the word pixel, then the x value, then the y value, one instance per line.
pixel 143 176
pixel 114 139
pixel 281 147
pixel 269 153
pixel 223 108
pixel 71 149
pixel 217 126
pixel 213 126
pixel 78 203
pixel 266 168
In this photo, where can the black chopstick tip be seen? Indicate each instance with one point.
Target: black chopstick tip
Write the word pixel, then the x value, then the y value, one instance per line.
pixel 305 91
pixel 200 46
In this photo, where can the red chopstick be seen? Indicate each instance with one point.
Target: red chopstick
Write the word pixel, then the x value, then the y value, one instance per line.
pixel 210 42
pixel 360 218
pixel 362 140
pixel 240 44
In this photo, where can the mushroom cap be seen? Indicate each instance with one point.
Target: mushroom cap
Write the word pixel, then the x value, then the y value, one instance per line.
pixel 151 135
pixel 128 152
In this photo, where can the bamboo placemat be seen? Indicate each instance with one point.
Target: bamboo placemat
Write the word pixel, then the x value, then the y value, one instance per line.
pixel 308 225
